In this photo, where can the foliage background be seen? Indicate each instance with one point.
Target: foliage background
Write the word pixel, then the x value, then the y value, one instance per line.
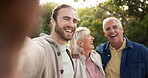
pixel 132 13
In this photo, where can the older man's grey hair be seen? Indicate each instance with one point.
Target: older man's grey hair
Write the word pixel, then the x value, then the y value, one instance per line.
pixel 79 35
pixel 109 19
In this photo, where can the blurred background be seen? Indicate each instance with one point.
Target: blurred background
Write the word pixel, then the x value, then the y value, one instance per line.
pixel 132 13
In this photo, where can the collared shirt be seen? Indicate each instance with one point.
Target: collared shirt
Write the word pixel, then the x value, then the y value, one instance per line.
pixel 134 58
pixel 92 71
pixel 67 64
pixel 113 67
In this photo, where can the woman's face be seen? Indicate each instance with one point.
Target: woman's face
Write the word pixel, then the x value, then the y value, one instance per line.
pixel 87 42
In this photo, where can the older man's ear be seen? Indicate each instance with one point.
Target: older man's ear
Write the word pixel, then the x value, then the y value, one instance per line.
pixel 80 43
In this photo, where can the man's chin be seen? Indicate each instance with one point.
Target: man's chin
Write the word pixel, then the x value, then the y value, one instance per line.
pixel 112 41
pixel 67 39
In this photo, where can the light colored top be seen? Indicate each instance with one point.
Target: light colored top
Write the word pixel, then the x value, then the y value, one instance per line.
pixel 41 58
pixel 80 65
pixel 67 64
pixel 92 70
pixel 112 69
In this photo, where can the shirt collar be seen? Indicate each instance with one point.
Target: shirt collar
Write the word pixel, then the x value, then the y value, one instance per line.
pixel 121 48
pixel 128 44
pixel 62 48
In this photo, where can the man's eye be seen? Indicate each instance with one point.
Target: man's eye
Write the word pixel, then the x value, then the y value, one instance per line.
pixel 107 29
pixel 75 21
pixel 66 19
pixel 115 27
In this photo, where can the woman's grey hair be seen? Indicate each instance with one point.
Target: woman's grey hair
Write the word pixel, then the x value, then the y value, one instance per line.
pixel 109 19
pixel 79 35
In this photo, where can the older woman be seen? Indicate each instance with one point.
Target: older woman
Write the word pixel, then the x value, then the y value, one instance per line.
pixel 88 63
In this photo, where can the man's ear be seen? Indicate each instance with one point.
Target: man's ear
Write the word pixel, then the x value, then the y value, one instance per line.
pixel 80 43
pixel 52 23
pixel 122 30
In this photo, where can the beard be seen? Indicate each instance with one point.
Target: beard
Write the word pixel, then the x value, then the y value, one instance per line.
pixel 62 35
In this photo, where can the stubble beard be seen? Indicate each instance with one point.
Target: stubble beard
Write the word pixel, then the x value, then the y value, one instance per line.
pixel 60 32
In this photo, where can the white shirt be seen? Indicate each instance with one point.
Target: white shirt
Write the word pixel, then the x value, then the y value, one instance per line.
pixel 67 64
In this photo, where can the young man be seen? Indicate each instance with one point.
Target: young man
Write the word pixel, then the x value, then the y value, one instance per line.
pixel 16 20
pixel 47 56
pixel 121 57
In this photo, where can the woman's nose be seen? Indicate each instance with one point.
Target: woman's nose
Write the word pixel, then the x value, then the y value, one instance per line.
pixel 92 38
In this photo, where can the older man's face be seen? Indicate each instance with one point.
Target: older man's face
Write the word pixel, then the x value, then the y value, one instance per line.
pixel 113 32
pixel 16 18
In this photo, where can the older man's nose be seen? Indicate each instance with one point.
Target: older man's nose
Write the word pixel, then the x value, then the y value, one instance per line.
pixel 111 30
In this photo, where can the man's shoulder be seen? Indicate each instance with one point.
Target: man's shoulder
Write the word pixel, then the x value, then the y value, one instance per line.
pixel 134 45
pixel 31 58
pixel 46 42
pixel 43 40
pixel 101 47
pixel 31 47
pixel 40 38
pixel 139 46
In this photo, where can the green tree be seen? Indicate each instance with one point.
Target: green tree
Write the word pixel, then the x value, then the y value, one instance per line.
pixel 46 10
pixel 132 13
pixel 92 18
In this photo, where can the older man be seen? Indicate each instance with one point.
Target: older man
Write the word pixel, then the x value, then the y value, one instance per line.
pixel 16 19
pixel 121 57
pixel 47 56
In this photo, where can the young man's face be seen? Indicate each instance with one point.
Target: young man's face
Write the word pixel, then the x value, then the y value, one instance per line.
pixel 113 32
pixel 66 23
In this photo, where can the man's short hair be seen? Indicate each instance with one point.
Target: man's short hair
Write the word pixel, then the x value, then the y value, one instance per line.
pixel 56 10
pixel 109 19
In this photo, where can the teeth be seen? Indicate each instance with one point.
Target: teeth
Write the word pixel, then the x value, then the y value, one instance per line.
pixel 68 31
pixel 113 35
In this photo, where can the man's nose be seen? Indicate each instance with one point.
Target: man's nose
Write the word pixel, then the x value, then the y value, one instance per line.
pixel 112 30
pixel 72 24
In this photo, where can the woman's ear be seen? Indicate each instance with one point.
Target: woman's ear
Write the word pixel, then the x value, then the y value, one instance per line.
pixel 80 43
